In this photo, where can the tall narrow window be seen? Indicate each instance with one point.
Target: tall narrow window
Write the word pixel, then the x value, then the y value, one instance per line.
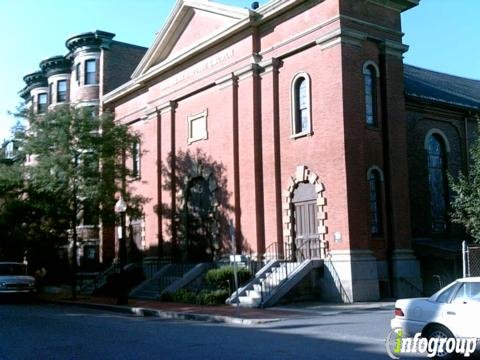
pixel 301 122
pixel 369 77
pixel 437 182
pixel 50 93
pixel 61 90
pixel 136 159
pixel 42 103
pixel 374 184
pixel 90 72
pixel 77 73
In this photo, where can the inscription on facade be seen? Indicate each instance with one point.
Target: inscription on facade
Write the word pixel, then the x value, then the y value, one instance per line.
pixel 199 68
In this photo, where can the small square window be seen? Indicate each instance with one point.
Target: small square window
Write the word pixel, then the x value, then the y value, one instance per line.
pixel 197 127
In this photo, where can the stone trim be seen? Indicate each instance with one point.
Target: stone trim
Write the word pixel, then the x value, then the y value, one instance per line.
pixel 248 71
pixel 396 5
pixel 303 174
pixel 182 10
pixel 293 105
pixel 394 48
pixel 439 133
pixel 342 35
pixel 167 107
pixel 226 81
pixel 375 168
pixel 374 65
pixel 191 137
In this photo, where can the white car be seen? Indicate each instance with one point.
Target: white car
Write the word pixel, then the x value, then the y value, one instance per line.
pixel 14 279
pixel 454 311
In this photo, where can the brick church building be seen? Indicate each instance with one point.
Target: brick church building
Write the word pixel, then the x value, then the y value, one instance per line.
pixel 300 107
pixel 296 127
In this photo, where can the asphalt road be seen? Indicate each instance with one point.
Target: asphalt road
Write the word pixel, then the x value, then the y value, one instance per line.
pixel 42 331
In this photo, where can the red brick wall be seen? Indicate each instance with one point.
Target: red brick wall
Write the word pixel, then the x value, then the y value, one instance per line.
pixel 260 156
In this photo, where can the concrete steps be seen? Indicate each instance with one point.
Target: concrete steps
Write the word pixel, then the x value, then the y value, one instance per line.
pixel 272 282
pixel 169 278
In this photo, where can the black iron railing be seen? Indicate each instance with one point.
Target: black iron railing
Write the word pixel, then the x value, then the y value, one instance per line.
pixel 278 275
pixel 307 249
pixel 174 273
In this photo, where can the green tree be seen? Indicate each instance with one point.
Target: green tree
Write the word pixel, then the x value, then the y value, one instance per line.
pixel 466 202
pixel 78 164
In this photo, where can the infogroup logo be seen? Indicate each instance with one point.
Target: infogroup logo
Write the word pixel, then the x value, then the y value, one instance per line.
pixel 396 344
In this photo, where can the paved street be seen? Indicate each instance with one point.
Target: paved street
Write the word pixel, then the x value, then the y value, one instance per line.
pixel 42 331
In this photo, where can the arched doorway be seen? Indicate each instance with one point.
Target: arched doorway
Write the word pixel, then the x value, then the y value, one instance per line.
pixel 304 216
pixel 199 220
pixel 305 219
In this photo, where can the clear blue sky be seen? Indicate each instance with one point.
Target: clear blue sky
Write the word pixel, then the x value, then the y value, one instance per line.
pixel 442 34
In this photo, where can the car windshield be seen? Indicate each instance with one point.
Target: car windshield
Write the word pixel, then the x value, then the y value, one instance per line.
pixel 12 269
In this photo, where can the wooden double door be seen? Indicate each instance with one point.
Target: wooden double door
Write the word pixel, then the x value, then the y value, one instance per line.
pixel 306 244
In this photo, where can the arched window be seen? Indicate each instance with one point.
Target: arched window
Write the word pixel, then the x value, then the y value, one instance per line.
pixel 370 87
pixel 375 191
pixel 437 181
pixel 301 121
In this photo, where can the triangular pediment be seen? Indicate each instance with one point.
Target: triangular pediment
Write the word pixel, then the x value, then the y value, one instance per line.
pixel 191 23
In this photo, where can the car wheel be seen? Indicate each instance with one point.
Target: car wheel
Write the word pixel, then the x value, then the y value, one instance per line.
pixel 440 332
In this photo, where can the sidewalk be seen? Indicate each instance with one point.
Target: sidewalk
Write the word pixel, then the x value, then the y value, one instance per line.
pixel 218 314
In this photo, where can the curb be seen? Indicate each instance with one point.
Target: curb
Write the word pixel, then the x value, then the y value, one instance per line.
pixel 175 315
pixel 332 310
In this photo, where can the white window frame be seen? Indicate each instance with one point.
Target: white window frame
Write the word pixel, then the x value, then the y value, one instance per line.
pixel 366 66
pixel 190 119
pixel 137 159
pixel 86 73
pixel 293 97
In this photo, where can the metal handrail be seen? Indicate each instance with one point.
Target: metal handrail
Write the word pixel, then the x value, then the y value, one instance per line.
pixel 306 250
pixel 278 276
pixel 272 249
pixel 175 272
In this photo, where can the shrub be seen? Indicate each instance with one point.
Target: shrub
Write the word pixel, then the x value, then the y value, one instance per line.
pixel 223 277
pixel 166 296
pixel 184 296
pixel 212 297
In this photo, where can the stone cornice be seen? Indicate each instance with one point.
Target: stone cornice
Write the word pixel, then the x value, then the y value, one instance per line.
pixel 90 40
pixel 56 65
pixel 248 71
pixel 342 35
pixel 394 48
pixel 397 5
pixel 169 106
pixel 33 81
pixel 35 78
pixel 272 64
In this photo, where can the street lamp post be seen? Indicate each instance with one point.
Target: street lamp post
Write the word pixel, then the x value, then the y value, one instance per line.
pixel 121 208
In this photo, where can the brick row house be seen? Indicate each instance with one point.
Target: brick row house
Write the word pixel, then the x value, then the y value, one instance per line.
pixel 94 65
